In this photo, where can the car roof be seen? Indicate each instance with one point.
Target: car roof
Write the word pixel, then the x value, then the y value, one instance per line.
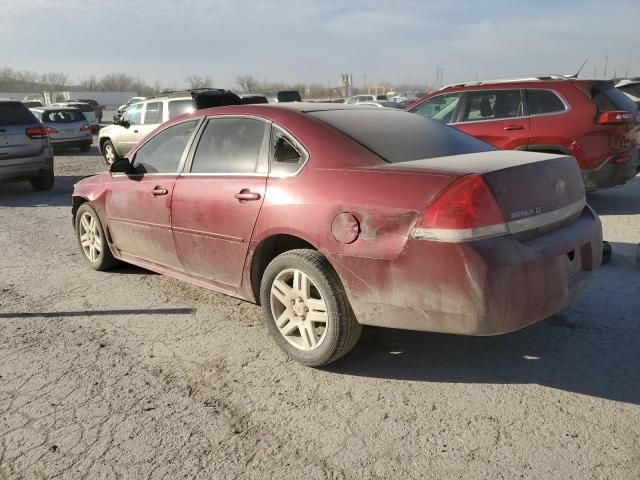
pixel 53 109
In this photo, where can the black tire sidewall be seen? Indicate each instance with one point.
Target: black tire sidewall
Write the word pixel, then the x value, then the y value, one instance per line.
pixel 43 182
pixel 333 301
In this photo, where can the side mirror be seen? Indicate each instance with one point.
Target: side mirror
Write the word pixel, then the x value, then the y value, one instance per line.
pixel 122 165
pixel 124 123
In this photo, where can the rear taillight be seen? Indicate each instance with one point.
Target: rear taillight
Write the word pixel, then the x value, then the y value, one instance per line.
pixel 615 118
pixel 467 210
pixel 622 158
pixel 36 132
pixel 85 128
pixel 52 130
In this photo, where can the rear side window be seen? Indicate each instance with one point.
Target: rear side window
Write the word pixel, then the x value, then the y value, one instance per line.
pixel 163 152
pixel 15 113
pixel 493 105
pixel 63 116
pixel 289 96
pixel 631 89
pixel 153 113
pixel 83 107
pixel 544 101
pixel 232 145
pixel 610 99
pixel 398 136
pixel 180 107
pixel 134 114
pixel 286 156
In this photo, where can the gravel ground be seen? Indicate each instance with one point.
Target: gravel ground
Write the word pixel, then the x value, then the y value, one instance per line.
pixel 131 375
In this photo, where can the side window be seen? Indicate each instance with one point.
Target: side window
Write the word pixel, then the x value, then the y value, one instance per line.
pixel 179 107
pixel 440 108
pixel 134 114
pixel 153 113
pixel 163 152
pixel 232 145
pixel 544 101
pixel 493 105
pixel 286 157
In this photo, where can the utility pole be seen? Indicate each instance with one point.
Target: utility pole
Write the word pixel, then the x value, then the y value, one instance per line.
pixel 595 75
pixel 606 60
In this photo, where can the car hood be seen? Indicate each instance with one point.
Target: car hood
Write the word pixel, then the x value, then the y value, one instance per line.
pixel 96 179
pixel 107 130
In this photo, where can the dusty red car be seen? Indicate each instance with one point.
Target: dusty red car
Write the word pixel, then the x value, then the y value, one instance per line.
pixel 333 216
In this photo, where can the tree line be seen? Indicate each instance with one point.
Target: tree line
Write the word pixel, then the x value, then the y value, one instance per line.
pixel 28 81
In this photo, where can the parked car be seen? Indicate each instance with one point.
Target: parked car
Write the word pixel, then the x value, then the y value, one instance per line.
pixel 336 216
pixel 283 96
pixel 588 119
pixel 382 103
pixel 97 108
pixel 142 118
pixel 86 109
pixel 251 98
pixel 66 127
pixel 128 103
pixel 31 103
pixel 25 153
pixel 365 98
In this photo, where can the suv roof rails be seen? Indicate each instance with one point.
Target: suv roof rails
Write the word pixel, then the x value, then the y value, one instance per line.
pixel 541 78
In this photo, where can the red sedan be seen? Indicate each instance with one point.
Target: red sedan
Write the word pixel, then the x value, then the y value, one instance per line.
pixel 335 216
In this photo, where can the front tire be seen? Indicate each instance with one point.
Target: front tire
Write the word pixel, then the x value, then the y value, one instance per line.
pixel 109 152
pixel 92 240
pixel 306 308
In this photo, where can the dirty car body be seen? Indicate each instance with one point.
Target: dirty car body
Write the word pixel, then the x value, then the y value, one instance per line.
pixel 427 228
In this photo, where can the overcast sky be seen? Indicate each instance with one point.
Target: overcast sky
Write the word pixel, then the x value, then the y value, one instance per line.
pixel 314 41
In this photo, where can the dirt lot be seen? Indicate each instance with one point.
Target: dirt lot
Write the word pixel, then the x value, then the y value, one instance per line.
pixel 131 375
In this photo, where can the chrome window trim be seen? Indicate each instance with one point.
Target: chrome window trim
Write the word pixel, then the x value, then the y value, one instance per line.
pixel 567 107
pixel 297 144
pixel 186 170
pixel 462 235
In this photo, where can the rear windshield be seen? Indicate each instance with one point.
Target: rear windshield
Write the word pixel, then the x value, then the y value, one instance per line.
pixel 15 113
pixel 401 136
pixel 63 116
pixel 292 96
pixel 609 99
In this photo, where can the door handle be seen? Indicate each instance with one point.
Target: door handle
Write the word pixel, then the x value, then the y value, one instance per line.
pixel 157 191
pixel 135 131
pixel 513 127
pixel 246 195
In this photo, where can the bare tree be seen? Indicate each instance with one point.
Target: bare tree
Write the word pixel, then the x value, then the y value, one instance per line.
pixel 90 83
pixel 247 83
pixel 196 81
pixel 55 80
pixel 116 82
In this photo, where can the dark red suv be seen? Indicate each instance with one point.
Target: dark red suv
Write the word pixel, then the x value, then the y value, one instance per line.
pixel 587 119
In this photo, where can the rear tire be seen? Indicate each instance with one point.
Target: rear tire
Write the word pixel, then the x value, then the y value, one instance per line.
pixel 306 308
pixel 92 239
pixel 109 152
pixel 43 182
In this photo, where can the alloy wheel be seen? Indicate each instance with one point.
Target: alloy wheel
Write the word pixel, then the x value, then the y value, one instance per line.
pixel 299 310
pixel 90 237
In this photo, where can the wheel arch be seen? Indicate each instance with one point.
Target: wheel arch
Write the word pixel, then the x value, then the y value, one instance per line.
pixel 268 249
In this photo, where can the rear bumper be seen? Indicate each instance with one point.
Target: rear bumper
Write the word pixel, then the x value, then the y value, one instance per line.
pixel 487 287
pixel 611 174
pixel 72 142
pixel 26 168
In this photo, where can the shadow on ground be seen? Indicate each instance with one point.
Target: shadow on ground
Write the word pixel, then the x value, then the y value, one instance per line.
pixel 99 313
pixel 21 194
pixel 589 348
pixel 623 200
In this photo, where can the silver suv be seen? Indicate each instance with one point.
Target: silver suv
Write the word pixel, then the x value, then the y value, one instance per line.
pixel 25 153
pixel 139 120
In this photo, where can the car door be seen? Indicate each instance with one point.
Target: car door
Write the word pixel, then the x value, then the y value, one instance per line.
pixel 498 117
pixel 151 119
pixel 138 205
pixel 217 199
pixel 128 136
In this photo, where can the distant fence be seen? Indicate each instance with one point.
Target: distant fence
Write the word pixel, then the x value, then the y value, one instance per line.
pixel 108 99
